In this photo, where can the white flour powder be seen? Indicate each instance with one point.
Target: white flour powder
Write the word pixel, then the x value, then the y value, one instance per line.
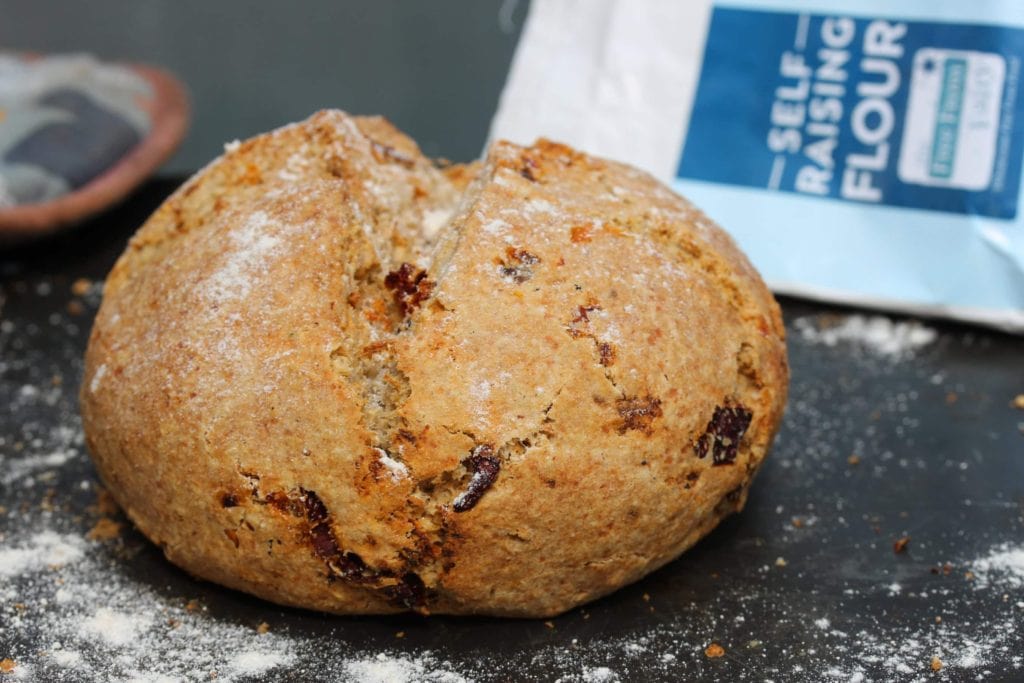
pixel 878 334
pixel 45 549
pixel 1004 566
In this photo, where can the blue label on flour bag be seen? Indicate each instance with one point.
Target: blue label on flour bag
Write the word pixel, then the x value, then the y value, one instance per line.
pixel 878 111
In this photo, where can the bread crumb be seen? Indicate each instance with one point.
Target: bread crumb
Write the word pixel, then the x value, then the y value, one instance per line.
pixel 798 522
pixel 714 651
pixel 105 529
pixel 1018 402
pixel 264 627
pixel 853 459
pixel 549 624
pixel 106 506
pixel 936 663
pixel 7 665
pixel 81 286
pixel 400 634
pixel 901 544
pixel 780 562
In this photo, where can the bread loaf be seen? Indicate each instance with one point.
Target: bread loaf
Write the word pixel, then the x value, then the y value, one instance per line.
pixel 336 375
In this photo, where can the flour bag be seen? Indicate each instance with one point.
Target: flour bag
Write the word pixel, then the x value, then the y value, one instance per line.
pixel 867 152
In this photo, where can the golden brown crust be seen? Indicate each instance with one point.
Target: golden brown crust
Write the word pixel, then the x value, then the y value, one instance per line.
pixel 304 387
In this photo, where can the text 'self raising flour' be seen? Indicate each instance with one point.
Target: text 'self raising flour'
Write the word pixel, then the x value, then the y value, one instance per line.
pixel 866 156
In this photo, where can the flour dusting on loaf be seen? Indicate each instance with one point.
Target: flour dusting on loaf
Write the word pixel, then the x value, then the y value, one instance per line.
pixel 338 375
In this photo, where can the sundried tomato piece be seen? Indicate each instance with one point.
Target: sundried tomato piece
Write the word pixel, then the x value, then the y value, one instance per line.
pixel 410 287
pixel 723 434
pixel 485 467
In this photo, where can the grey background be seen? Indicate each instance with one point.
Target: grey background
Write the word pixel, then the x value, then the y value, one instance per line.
pixel 434 68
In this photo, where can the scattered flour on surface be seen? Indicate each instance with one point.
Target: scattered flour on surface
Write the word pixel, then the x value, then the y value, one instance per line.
pixel 43 550
pixel 104 625
pixel 878 334
pixel 255 662
pixel 114 628
pixel 153 678
pixel 40 447
pixel 23 672
pixel 100 620
pixel 599 674
pixel 386 668
pixel 16 469
pixel 66 658
pixel 1005 562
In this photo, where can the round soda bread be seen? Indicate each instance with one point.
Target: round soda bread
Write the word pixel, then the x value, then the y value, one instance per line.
pixel 334 374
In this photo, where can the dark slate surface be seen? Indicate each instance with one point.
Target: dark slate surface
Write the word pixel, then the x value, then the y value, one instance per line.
pixel 941 460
